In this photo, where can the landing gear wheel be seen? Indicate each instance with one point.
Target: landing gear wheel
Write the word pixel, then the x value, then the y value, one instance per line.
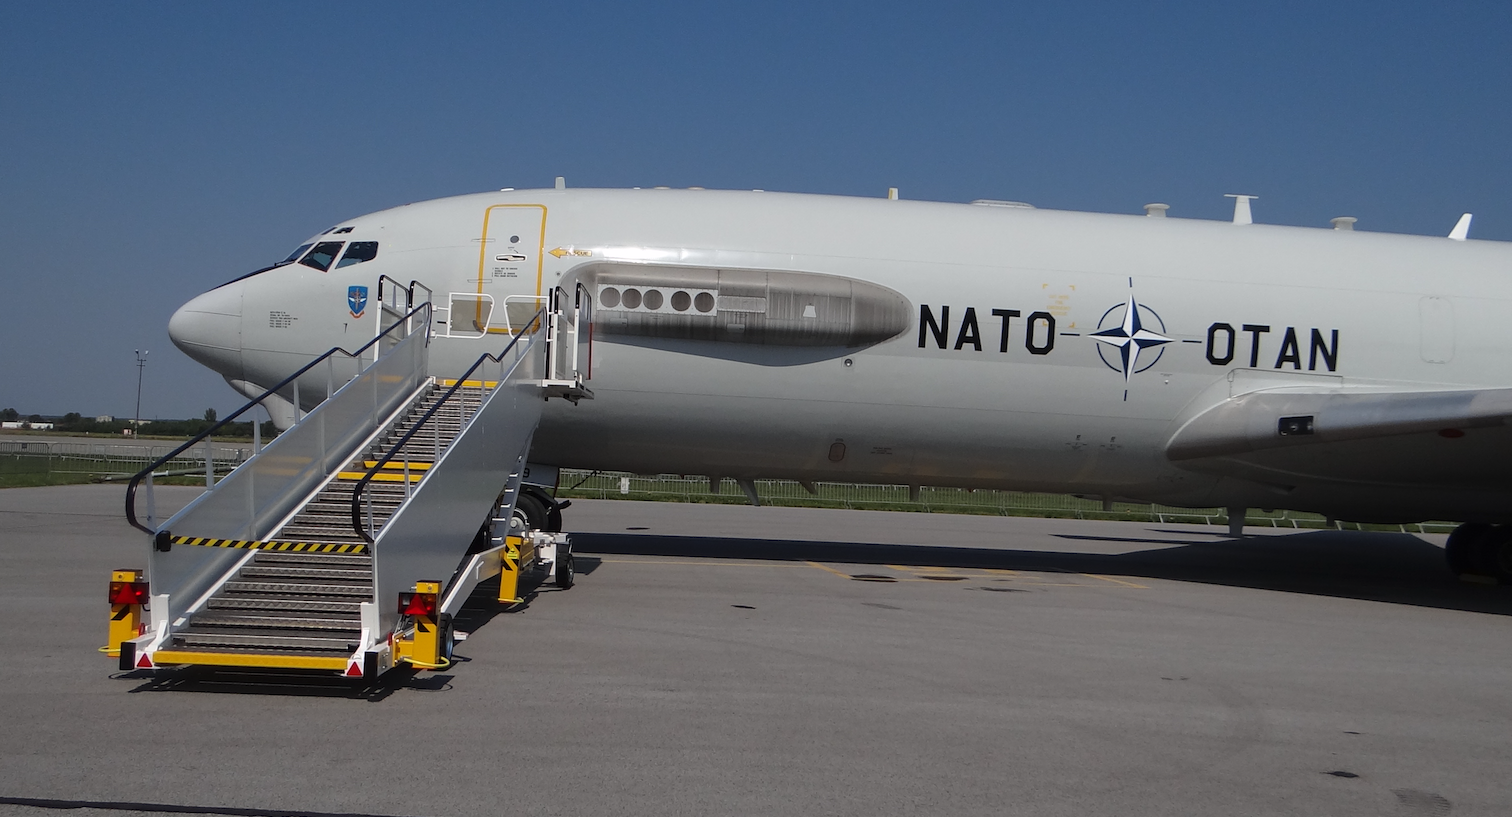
pixel 566 572
pixel 1497 553
pixel 529 514
pixel 1460 550
pixel 448 637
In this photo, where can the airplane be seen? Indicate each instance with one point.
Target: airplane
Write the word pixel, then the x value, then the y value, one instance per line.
pixel 992 345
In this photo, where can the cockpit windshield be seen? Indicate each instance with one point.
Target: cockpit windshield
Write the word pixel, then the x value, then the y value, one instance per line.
pixel 321 257
pixel 296 253
pixel 358 252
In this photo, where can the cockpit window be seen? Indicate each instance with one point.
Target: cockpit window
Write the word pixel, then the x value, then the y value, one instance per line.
pixel 321 257
pixel 357 252
pixel 296 253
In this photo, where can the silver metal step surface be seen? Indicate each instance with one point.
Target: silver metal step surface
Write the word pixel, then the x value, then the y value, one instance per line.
pixel 300 589
pixel 303 604
pixel 278 571
pixel 275 640
pixel 275 620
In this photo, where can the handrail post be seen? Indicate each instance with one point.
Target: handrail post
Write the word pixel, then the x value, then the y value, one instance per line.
pixel 209 464
pixel 256 434
pixel 151 502
pixel 297 408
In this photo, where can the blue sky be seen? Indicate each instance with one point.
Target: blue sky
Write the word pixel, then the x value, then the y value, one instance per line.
pixel 149 151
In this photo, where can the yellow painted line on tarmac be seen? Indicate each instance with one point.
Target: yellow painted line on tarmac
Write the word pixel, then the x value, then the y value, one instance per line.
pixel 1120 582
pixel 828 569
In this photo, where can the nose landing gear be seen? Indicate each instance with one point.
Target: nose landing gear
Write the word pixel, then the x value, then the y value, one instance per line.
pixel 1479 549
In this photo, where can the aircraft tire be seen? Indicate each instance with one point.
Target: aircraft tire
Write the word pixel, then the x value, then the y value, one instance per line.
pixel 529 514
pixel 1497 555
pixel 1460 550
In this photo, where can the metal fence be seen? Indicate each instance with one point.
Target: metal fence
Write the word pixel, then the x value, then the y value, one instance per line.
pixel 674 488
pixel 100 460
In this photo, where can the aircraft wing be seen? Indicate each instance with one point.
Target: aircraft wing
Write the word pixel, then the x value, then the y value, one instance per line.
pixel 1286 436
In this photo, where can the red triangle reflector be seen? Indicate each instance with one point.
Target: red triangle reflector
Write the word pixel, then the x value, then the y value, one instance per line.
pixel 354 670
pixel 144 662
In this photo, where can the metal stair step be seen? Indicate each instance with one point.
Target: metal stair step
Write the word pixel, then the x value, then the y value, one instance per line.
pixel 363 592
pixel 278 571
pixel 274 619
pixel 305 604
pixel 265 639
pixel 353 560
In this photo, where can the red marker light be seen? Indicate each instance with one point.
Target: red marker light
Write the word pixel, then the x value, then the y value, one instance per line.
pixel 128 592
pixel 417 604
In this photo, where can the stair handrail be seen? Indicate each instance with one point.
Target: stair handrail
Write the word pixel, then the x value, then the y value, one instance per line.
pixel 131 487
pixel 580 296
pixel 536 321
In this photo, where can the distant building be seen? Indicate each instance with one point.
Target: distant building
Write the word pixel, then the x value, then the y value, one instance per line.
pixel 105 418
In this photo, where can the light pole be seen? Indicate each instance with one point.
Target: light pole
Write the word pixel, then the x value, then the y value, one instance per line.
pixel 141 363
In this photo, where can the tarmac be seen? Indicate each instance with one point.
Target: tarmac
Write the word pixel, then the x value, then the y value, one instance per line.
pixel 718 659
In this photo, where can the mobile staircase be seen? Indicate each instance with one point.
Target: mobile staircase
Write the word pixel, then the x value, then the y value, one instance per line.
pixel 346 543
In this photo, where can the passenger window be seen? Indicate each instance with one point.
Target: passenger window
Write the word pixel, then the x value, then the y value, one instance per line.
pixel 321 257
pixel 357 252
pixel 296 253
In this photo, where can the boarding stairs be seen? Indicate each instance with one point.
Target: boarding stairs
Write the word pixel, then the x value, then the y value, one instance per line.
pixel 295 560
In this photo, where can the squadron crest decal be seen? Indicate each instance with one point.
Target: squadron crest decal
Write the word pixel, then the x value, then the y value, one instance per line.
pixel 357 301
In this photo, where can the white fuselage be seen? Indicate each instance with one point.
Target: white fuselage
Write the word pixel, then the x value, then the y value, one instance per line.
pixel 997 380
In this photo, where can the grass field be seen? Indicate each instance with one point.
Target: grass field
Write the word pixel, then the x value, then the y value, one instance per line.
pixel 37 467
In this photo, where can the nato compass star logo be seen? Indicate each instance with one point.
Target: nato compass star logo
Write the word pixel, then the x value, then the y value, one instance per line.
pixel 1131 338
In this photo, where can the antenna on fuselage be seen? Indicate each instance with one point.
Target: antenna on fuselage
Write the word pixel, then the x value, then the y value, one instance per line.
pixel 561 182
pixel 1241 207
pixel 1461 229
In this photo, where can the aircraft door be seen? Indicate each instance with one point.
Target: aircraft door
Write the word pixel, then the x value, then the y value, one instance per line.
pixel 510 263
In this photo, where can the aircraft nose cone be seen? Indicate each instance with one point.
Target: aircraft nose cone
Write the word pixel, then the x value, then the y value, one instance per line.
pixel 208 329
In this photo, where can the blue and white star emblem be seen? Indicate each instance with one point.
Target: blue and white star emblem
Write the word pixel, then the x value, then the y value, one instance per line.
pixel 1131 338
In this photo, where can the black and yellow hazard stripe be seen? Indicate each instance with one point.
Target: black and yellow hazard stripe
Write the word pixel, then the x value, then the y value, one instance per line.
pixel 292 547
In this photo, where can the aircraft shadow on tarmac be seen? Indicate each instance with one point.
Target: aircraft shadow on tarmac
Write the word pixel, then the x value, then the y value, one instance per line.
pixel 1395 568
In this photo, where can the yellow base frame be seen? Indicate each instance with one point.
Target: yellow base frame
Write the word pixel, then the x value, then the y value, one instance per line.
pixel 226 659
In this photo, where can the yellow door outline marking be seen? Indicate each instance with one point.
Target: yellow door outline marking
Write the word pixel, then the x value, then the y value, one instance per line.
pixel 483 251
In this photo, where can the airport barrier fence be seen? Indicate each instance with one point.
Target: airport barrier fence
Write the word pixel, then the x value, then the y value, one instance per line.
pixel 24 462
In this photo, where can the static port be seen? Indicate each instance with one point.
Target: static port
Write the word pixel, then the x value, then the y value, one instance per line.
pixel 609 297
pixel 681 301
pixel 632 298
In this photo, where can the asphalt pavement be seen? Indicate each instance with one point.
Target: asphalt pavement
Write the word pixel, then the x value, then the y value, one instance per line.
pixel 721 659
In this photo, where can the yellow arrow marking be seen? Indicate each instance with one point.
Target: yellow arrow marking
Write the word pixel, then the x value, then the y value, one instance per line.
pixel 562 251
